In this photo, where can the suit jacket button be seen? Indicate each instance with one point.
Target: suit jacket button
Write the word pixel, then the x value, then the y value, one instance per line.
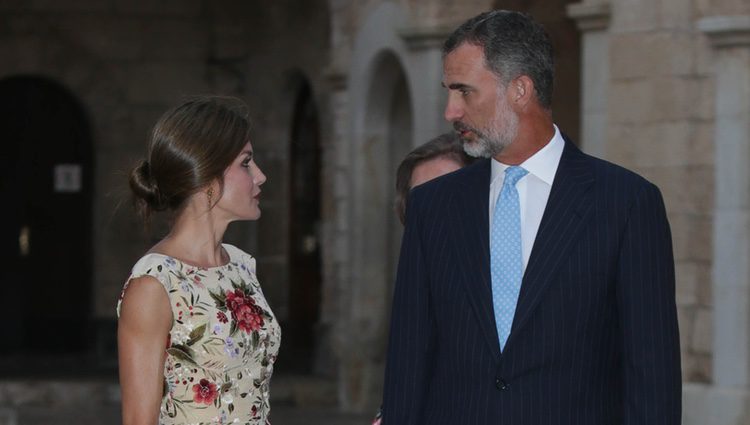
pixel 501 385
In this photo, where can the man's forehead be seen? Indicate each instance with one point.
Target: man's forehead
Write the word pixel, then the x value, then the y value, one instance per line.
pixel 463 58
pixel 464 63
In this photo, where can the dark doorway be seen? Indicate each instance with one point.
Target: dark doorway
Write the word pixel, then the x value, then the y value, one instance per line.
pixel 304 244
pixel 45 186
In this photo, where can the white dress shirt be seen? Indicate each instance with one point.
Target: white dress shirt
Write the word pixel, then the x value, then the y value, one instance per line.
pixel 533 189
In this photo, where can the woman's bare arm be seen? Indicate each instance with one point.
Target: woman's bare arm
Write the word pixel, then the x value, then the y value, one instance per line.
pixel 142 335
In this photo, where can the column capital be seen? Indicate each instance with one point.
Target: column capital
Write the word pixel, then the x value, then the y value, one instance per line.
pixel 423 38
pixel 726 31
pixel 590 15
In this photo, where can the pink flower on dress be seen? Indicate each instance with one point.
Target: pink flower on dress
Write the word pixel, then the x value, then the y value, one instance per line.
pixel 205 392
pixel 249 317
pixel 235 299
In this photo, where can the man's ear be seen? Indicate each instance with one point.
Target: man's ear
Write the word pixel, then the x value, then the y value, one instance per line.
pixel 522 91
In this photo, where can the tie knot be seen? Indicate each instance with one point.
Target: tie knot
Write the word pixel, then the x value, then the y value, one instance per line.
pixel 513 175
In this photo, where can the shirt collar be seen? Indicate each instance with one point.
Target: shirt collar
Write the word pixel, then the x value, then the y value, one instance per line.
pixel 543 164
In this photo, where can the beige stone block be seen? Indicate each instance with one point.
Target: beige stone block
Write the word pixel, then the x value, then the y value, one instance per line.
pixel 621 147
pixel 702 371
pixel 452 13
pixel 693 286
pixel 663 144
pixel 687 189
pixel 688 363
pixel 692 236
pixel 702 147
pixel 629 101
pixel 704 289
pixel 686 285
pixel 701 238
pixel 672 98
pixel 703 8
pixel 686 323
pixel 634 16
pixel 676 14
pixel 164 82
pixel 705 59
pixel 696 368
pixel 702 337
pixel 705 99
pixel 730 7
pixel 638 55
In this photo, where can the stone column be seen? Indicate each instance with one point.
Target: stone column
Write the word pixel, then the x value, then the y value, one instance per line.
pixel 592 18
pixel 426 60
pixel 728 400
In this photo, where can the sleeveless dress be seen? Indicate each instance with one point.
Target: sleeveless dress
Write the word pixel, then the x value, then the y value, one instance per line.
pixel 223 342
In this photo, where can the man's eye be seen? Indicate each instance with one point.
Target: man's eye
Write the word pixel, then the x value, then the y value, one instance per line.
pixel 464 92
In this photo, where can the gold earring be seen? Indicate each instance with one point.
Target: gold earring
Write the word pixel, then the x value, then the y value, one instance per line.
pixel 209 195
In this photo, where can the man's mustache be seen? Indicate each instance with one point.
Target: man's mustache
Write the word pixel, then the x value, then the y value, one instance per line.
pixel 461 127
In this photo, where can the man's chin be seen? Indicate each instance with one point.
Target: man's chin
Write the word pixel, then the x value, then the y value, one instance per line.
pixel 475 149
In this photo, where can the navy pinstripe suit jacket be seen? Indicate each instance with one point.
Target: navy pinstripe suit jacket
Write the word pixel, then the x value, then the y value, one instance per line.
pixel 594 338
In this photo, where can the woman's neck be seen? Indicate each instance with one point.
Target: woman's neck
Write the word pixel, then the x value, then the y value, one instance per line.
pixel 196 237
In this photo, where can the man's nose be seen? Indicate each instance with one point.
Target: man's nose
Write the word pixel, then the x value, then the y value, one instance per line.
pixel 453 111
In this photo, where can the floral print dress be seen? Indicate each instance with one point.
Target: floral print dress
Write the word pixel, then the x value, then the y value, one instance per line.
pixel 223 342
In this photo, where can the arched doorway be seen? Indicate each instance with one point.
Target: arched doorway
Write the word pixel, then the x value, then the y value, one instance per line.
pixel 388 132
pixel 305 274
pixel 386 137
pixel 46 185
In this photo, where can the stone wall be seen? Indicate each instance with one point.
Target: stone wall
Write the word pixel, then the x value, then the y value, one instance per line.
pixel 661 126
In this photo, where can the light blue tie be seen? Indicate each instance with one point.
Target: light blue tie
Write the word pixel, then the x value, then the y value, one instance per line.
pixel 506 262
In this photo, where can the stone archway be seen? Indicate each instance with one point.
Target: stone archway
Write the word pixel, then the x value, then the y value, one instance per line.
pixel 386 138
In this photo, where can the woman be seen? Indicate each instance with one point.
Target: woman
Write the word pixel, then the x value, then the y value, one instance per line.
pixel 197 340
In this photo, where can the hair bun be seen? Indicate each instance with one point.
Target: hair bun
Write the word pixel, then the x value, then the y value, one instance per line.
pixel 146 195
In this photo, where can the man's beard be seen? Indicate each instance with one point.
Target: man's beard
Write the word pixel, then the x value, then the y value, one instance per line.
pixel 491 141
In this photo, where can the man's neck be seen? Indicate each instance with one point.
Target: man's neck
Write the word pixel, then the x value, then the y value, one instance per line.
pixel 533 135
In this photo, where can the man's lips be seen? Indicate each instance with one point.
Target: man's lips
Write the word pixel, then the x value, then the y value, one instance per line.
pixel 463 130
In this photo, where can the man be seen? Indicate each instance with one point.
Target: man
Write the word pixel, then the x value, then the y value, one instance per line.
pixel 535 286
pixel 440 155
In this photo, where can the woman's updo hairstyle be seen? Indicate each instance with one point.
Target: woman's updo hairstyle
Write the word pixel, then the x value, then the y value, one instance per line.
pixel 191 146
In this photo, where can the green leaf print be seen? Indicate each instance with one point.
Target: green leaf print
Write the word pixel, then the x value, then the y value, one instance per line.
pixel 197 334
pixel 183 353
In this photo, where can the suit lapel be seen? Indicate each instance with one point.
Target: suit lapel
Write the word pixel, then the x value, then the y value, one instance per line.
pixel 568 208
pixel 472 233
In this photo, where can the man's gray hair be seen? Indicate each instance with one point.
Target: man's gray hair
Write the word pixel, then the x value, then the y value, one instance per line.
pixel 514 45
